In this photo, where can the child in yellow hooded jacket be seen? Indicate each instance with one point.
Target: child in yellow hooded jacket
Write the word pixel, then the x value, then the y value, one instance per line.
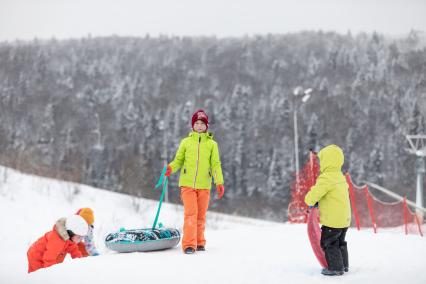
pixel 331 194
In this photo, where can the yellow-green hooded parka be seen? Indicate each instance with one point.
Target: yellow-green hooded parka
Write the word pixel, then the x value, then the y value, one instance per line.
pixel 331 190
pixel 198 159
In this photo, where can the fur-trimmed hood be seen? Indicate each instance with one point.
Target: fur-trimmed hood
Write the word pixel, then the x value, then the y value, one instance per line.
pixel 61 229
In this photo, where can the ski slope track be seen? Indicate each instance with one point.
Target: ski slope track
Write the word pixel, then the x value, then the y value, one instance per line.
pixel 239 250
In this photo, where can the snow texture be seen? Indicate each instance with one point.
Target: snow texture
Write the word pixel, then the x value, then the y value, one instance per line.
pixel 239 250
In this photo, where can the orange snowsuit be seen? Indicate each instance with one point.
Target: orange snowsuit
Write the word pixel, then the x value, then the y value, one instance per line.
pixel 52 248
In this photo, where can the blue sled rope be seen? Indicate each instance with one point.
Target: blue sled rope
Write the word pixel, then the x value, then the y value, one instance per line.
pixel 162 180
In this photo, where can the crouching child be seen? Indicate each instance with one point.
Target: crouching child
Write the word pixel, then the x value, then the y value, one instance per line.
pixel 52 247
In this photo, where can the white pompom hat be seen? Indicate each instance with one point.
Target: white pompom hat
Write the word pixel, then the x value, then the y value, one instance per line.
pixel 77 225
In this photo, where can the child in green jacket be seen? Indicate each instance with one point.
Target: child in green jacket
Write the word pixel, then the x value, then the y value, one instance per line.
pixel 331 193
pixel 198 160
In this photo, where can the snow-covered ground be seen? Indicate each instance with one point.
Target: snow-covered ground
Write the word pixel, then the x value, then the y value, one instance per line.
pixel 239 250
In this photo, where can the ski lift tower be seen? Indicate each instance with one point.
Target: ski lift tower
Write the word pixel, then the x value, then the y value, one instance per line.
pixel 418 148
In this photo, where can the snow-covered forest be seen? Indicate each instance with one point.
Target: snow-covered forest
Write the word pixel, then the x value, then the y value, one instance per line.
pixel 110 112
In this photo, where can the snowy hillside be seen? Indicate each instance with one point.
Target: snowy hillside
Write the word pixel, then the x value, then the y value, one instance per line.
pixel 239 250
pixel 104 110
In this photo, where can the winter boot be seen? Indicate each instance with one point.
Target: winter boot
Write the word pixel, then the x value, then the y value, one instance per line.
pixel 201 248
pixel 345 258
pixel 327 272
pixel 189 250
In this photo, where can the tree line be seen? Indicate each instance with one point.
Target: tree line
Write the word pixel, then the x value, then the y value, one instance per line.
pixel 110 111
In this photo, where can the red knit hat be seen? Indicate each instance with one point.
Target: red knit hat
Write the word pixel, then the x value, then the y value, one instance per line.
pixel 200 115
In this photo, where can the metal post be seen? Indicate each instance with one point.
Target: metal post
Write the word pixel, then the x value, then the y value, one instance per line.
pixel 418 147
pixel 306 95
pixel 420 169
pixel 162 127
pixel 166 196
pixel 296 146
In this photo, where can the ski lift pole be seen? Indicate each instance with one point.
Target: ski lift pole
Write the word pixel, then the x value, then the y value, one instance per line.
pixel 162 180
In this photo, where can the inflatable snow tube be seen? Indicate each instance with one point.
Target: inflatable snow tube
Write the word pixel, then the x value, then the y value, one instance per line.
pixel 142 240
pixel 314 234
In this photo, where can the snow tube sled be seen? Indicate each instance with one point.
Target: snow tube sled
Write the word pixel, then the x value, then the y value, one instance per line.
pixel 142 240
pixel 314 233
pixel 145 239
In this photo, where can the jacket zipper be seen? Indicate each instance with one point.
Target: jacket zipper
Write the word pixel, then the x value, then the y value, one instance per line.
pixel 198 158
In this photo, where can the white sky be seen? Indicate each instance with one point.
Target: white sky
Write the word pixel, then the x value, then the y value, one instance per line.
pixel 26 19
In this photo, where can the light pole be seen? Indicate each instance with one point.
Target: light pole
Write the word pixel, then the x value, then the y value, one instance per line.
pixel 162 127
pixel 305 95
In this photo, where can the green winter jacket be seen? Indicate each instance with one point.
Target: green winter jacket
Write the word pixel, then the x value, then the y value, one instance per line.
pixel 331 190
pixel 199 161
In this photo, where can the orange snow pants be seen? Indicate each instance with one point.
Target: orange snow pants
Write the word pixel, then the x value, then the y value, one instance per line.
pixel 195 202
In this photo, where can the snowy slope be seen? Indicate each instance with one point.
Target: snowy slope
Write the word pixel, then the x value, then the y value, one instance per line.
pixel 239 250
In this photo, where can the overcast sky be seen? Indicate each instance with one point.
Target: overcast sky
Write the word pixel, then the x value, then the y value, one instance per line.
pixel 26 19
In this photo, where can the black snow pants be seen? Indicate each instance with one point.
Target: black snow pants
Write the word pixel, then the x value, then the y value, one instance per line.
pixel 335 247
